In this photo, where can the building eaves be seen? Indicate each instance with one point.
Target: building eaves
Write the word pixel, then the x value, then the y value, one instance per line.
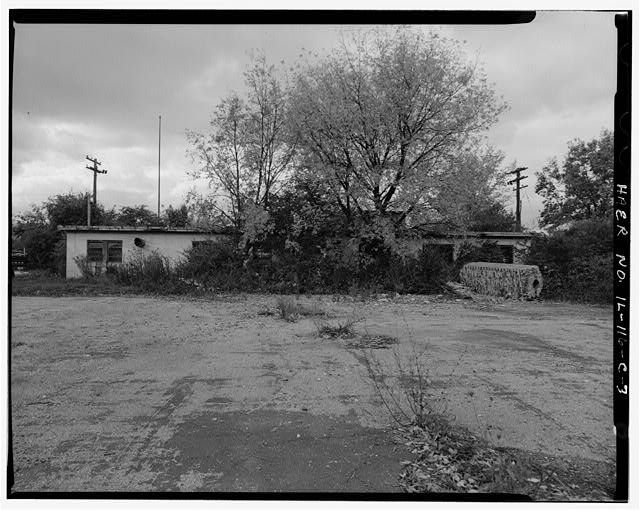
pixel 144 229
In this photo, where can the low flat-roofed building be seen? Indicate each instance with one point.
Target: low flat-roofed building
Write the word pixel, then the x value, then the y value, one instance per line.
pixel 512 244
pixel 103 246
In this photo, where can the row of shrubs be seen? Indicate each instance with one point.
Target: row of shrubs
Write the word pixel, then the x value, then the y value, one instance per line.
pixel 576 265
pixel 219 267
pixel 320 272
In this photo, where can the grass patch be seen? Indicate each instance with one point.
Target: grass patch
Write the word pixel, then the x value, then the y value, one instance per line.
pixel 43 284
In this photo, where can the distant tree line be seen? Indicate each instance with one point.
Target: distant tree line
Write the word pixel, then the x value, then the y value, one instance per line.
pixel 36 231
pixel 576 256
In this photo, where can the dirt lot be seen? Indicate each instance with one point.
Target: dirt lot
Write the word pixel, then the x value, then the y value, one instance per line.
pixel 145 394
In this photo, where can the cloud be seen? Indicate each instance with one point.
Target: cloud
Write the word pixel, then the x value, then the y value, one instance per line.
pixel 559 61
pixel 547 137
pixel 216 79
pixel 98 89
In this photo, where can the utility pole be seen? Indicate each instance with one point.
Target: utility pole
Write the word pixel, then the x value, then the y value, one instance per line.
pixel 519 187
pixel 95 171
pixel 88 211
pixel 159 135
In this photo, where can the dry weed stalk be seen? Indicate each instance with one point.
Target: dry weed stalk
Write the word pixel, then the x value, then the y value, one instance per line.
pixel 404 386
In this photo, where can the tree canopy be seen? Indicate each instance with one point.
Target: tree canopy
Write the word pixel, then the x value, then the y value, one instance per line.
pixel 581 186
pixel 177 217
pixel 135 216
pixel 36 230
pixel 388 129
pixel 384 119
pixel 246 152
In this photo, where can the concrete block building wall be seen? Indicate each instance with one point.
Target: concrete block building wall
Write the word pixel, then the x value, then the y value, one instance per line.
pixel 171 244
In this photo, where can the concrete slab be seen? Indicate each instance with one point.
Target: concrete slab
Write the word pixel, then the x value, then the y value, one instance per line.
pixel 148 394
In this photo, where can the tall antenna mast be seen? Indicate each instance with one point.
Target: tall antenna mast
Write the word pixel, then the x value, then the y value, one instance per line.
pixel 159 136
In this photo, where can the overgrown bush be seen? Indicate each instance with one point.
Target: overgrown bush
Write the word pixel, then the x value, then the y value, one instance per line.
pixel 423 274
pixel 215 265
pixel 486 252
pixel 330 267
pixel 153 272
pixel 576 263
pixel 39 242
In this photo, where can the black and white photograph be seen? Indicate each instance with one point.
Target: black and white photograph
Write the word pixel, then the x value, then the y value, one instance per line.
pixel 322 254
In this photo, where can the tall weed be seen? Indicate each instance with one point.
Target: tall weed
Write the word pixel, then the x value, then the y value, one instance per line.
pixel 404 387
pixel 154 273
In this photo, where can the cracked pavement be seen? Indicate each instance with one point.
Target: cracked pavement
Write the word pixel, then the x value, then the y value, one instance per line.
pixel 156 394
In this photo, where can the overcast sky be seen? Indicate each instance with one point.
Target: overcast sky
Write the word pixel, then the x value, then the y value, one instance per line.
pixel 98 90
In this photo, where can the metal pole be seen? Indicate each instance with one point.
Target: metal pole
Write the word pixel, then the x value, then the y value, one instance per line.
pixel 518 226
pixel 159 137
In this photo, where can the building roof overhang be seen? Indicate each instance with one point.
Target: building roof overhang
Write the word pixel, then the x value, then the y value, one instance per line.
pixel 483 235
pixel 139 229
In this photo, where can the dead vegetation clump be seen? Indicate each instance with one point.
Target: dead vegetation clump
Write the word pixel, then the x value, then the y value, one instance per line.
pixel 451 459
pixel 404 386
pixel 291 310
pixel 371 342
pixel 346 331
pixel 341 330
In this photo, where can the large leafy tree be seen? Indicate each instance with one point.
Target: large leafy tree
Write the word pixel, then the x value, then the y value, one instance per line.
pixel 246 152
pixel 581 186
pixel 136 216
pixel 383 119
pixel 71 209
pixel 32 233
pixel 177 217
pixel 471 197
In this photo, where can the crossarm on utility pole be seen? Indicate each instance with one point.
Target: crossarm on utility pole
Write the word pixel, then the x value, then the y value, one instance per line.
pixel 517 180
pixel 95 171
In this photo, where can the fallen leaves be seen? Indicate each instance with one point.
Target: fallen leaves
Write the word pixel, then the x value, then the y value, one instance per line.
pixel 450 459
